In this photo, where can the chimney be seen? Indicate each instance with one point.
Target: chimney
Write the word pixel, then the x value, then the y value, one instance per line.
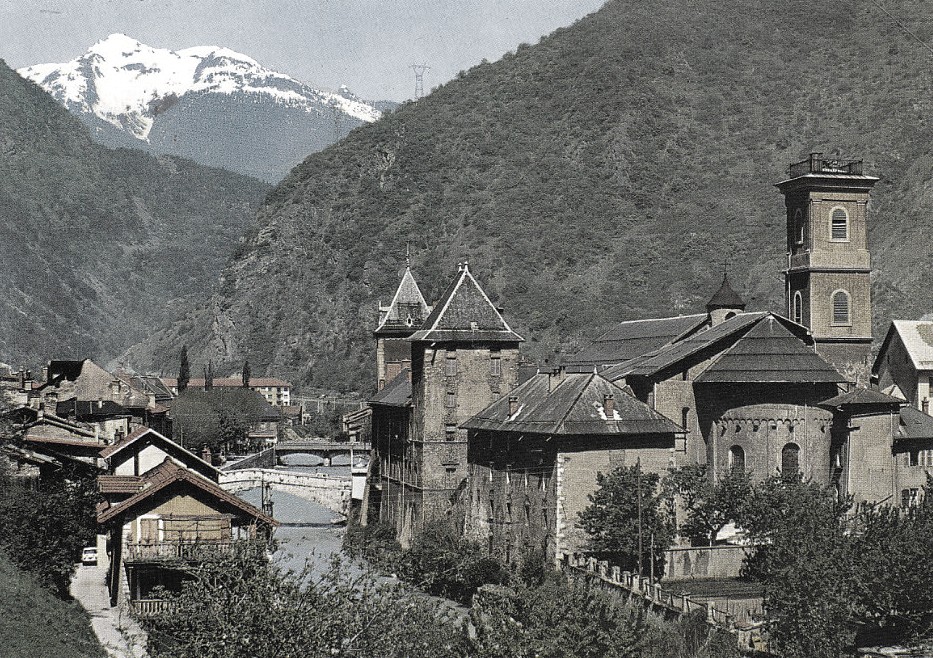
pixel 206 453
pixel 45 374
pixel 100 403
pixel 925 406
pixel 513 405
pixel 609 405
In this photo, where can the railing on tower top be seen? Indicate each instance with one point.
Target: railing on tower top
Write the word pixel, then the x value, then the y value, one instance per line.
pixel 817 164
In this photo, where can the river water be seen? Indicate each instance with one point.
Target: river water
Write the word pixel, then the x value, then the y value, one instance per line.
pixel 306 532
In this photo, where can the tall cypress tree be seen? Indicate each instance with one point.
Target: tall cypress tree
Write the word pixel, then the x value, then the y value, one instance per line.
pixel 246 374
pixel 184 370
pixel 209 376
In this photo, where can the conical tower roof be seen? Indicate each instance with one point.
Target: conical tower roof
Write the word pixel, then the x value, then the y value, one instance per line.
pixel 465 313
pixel 725 297
pixel 407 310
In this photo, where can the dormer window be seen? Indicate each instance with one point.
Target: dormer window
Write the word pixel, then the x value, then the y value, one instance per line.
pixel 839 225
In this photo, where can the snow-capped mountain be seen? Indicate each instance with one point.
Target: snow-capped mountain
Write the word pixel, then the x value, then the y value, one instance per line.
pixel 197 102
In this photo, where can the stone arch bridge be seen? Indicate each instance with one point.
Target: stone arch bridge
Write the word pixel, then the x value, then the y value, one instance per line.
pixel 330 491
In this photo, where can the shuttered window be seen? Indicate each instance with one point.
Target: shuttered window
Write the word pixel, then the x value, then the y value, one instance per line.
pixel 840 224
pixel 840 307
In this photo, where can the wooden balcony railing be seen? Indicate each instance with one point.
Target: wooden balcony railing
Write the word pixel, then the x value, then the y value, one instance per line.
pixel 177 550
pixel 148 607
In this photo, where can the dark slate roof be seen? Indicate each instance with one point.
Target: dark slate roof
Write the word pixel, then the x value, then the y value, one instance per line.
pixel 465 313
pixel 914 424
pixel 770 352
pixel 672 355
pixel 85 408
pixel 574 407
pixel 397 393
pixel 725 297
pixel 628 340
pixel 861 397
pixel 407 310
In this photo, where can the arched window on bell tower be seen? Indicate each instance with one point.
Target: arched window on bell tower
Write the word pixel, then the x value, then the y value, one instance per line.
pixel 841 308
pixel 839 225
pixel 799 227
pixel 798 308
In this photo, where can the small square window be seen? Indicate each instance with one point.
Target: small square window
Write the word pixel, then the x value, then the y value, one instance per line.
pixel 451 400
pixel 450 432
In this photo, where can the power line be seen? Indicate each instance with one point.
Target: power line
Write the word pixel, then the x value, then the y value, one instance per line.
pixel 902 26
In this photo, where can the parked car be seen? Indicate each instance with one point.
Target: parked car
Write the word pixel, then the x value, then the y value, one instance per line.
pixel 89 556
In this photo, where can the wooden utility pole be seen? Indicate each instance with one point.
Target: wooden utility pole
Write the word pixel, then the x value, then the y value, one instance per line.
pixel 638 486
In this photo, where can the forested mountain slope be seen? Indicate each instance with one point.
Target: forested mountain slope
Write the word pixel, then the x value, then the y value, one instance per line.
pixel 608 172
pixel 99 245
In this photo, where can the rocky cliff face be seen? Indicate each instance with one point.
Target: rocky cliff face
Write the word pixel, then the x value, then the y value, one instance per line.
pixel 609 172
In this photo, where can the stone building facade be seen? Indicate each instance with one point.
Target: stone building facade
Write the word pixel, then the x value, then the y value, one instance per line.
pixel 463 356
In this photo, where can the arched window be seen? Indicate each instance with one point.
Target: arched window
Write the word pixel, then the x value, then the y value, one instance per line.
pixel 798 226
pixel 839 224
pixel 790 459
pixel 798 307
pixel 736 459
pixel 840 301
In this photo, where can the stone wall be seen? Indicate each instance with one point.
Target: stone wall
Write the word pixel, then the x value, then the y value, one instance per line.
pixel 690 563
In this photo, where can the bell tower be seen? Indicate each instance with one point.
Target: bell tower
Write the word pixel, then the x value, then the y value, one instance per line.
pixel 828 275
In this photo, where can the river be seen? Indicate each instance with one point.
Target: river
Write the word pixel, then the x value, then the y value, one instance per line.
pixel 306 531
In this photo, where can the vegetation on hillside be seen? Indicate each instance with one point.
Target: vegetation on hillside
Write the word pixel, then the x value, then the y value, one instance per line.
pixel 100 246
pixel 608 172
pixel 241 606
pixel 26 610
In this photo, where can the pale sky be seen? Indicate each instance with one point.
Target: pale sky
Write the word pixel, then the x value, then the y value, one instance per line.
pixel 368 45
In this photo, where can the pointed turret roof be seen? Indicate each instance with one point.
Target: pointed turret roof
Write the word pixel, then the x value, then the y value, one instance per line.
pixel 725 297
pixel 407 310
pixel 465 313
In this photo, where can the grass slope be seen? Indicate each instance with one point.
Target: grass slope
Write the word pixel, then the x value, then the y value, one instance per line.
pixel 100 245
pixel 606 173
pixel 35 623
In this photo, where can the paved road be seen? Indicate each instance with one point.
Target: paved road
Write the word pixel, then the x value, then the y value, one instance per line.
pixel 120 635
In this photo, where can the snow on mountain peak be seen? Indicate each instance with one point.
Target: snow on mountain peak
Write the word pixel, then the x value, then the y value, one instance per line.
pixel 122 80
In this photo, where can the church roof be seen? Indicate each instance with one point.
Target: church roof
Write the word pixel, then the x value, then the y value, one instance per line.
pixel 465 313
pixel 631 339
pixel 861 397
pixel 770 352
pixel 574 407
pixel 670 356
pixel 725 297
pixel 397 393
pixel 407 310
pixel 914 424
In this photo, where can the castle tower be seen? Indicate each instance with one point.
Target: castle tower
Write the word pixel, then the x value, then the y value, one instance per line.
pixel 828 276
pixel 397 321
pixel 464 357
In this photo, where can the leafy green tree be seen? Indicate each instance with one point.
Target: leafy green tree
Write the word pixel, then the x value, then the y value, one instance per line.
pixel 615 519
pixel 241 606
pixel 709 506
pixel 443 563
pixel 894 585
pixel 233 428
pixel 804 559
pixel 184 370
pixel 44 529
